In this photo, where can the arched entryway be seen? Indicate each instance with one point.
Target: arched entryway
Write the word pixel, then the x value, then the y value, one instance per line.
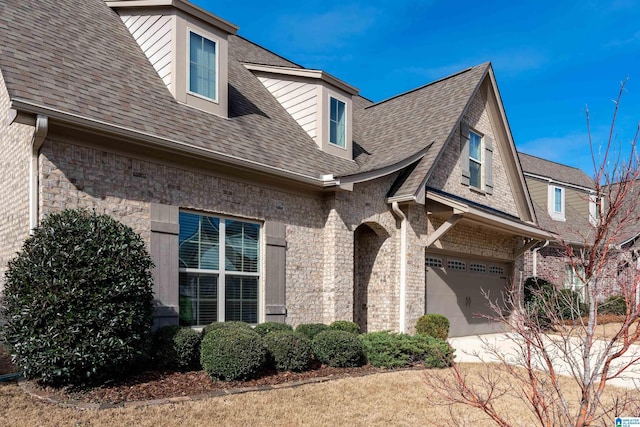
pixel 367 240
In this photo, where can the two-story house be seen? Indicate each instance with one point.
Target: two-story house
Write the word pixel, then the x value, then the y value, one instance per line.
pixel 264 190
pixel 565 204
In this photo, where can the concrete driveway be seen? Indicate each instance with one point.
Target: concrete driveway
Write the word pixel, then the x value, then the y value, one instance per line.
pixel 506 346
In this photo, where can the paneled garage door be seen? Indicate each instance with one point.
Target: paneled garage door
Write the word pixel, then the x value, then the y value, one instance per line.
pixel 455 288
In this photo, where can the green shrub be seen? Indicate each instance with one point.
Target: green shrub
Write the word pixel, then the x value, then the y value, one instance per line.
pixel 338 349
pixel 223 325
pixel 232 353
pixel 568 305
pixel 268 327
pixel 615 304
pixel 345 325
pixel 434 325
pixel 288 350
pixel 544 303
pixel 311 329
pixel 393 350
pixel 176 348
pixel 78 300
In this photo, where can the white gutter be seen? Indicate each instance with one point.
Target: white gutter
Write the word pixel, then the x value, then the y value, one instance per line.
pixel 534 270
pixel 403 265
pixel 40 133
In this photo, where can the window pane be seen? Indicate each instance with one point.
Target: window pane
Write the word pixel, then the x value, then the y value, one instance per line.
pixel 337 122
pixel 198 296
pixel 241 299
pixel 241 246
pixel 474 146
pixel 557 200
pixel 475 178
pixel 188 240
pixel 202 66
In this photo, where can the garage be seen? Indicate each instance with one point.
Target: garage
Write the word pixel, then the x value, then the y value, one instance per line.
pixel 455 288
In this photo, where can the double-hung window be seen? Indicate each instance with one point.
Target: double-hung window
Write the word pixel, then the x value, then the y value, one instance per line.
pixel 475 160
pixel 219 269
pixel 203 66
pixel 337 122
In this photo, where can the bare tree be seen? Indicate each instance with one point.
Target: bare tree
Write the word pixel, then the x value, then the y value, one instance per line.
pixel 552 338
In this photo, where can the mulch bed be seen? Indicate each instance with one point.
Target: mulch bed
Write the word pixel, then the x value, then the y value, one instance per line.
pixel 150 386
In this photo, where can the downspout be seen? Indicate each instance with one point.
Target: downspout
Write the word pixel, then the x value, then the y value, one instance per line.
pixel 403 264
pixel 535 258
pixel 42 127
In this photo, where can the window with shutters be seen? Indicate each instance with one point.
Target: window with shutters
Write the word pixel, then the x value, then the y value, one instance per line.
pixel 219 264
pixel 476 159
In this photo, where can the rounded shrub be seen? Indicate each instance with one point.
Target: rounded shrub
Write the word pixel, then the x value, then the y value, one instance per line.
pixel 268 327
pixel 568 305
pixel 78 300
pixel 176 348
pixel 345 325
pixel 615 305
pixel 538 296
pixel 288 350
pixel 232 354
pixel 393 350
pixel 338 349
pixel 433 325
pixel 311 329
pixel 223 325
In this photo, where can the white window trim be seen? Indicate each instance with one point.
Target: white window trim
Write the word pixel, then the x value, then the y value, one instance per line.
pixel 557 216
pixel 479 161
pixel 346 122
pixel 217 83
pixel 223 273
pixel 594 206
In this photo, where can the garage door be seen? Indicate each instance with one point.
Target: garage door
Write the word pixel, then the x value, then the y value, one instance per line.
pixel 455 288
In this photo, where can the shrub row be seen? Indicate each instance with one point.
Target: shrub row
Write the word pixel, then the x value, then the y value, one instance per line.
pixel 394 350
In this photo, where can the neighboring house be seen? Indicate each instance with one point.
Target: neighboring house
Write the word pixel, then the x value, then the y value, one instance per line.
pixel 265 191
pixel 565 204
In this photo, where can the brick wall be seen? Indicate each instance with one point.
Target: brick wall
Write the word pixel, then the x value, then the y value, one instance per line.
pixel 319 233
pixel 448 175
pixel 15 146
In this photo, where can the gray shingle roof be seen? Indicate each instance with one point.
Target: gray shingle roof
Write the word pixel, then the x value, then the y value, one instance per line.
pixel 425 115
pixel 91 66
pixel 76 57
pixel 556 171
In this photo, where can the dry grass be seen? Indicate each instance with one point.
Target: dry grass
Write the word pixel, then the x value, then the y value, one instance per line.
pixel 396 398
pixel 607 330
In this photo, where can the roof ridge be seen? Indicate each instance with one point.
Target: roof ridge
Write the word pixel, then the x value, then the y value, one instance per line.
pixel 268 50
pixel 466 70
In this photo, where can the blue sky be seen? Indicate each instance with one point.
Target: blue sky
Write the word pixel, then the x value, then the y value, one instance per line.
pixel 552 59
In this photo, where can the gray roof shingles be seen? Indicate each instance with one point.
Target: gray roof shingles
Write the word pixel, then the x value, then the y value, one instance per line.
pixel 556 171
pixel 76 56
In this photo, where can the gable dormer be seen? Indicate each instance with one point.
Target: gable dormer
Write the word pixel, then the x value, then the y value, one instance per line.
pixel 320 103
pixel 187 46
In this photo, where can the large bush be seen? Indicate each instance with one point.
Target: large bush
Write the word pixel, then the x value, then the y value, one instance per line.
pixel 223 325
pixel 232 354
pixel 569 305
pixel 345 325
pixel 433 325
pixel 311 329
pixel 78 299
pixel 176 348
pixel 546 304
pixel 288 350
pixel 339 349
pixel 615 305
pixel 393 350
pixel 268 327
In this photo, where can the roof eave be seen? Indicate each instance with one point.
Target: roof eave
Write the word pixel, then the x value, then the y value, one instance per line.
pixel 304 72
pixel 22 106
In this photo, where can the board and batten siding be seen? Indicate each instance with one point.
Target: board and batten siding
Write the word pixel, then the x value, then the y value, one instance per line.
pixel 299 99
pixel 153 34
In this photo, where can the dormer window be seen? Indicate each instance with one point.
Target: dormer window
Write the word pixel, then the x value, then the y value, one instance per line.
pixel 203 66
pixel 337 122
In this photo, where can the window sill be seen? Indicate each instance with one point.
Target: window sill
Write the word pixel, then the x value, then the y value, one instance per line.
pixel 477 190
